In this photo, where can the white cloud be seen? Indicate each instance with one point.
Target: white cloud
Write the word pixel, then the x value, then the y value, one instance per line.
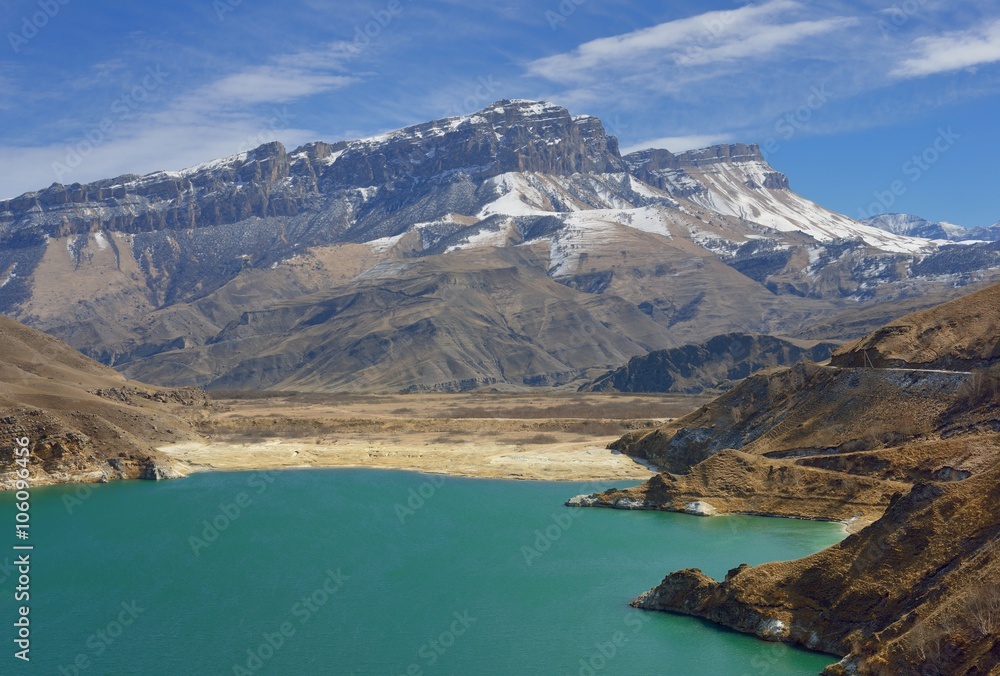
pixel 719 37
pixel 283 79
pixel 269 84
pixel 678 144
pixel 236 112
pixel 953 51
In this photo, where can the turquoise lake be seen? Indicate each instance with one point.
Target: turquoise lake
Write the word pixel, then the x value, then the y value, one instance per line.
pixel 376 572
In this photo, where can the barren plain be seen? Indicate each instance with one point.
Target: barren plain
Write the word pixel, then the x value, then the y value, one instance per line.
pixel 552 436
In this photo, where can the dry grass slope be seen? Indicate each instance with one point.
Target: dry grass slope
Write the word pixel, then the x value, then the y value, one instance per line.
pixel 85 422
pixel 916 452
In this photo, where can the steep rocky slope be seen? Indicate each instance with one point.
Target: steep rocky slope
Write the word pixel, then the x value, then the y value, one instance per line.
pixel 484 320
pixel 716 363
pixel 910 452
pixel 914 593
pixel 85 422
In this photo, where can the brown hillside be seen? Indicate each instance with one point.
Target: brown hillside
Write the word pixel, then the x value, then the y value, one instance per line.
pixel 914 592
pixel 959 335
pixel 84 420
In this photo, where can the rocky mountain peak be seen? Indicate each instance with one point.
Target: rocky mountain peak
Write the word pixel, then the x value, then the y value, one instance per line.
pixel 507 136
pixel 915 226
pixel 677 174
pixel 723 152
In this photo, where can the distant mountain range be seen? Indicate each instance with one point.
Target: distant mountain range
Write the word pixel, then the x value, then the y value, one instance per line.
pixel 914 226
pixel 509 248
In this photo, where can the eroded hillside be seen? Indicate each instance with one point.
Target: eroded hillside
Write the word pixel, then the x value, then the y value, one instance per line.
pixel 85 422
pixel 914 453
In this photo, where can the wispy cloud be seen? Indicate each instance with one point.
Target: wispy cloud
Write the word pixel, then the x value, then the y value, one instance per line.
pixel 716 76
pixel 719 37
pixel 953 51
pixel 284 78
pixel 234 112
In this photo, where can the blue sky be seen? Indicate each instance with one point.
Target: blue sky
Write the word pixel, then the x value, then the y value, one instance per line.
pixel 868 106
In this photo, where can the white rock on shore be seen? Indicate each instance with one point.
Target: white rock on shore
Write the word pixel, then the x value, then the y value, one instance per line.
pixel 700 508
pixel 582 500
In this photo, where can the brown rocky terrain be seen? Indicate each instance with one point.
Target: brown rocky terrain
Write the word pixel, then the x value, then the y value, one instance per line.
pixel 908 456
pixel 715 364
pixel 84 420
pixel 960 335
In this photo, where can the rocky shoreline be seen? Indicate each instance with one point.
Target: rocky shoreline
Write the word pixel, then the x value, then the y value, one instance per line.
pixel 906 456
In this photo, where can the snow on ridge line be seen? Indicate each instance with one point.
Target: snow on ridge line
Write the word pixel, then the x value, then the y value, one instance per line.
pixel 787 211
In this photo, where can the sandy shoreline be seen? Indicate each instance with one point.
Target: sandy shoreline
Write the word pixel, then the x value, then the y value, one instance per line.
pixel 548 437
pixel 567 461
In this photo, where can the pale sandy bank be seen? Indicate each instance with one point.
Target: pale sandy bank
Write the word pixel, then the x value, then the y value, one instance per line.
pixel 568 461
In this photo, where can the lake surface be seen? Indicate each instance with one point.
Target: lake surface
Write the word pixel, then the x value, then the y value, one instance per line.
pixel 376 572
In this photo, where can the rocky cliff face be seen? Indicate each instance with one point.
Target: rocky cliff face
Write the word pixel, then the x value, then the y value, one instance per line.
pixel 670 172
pixel 914 593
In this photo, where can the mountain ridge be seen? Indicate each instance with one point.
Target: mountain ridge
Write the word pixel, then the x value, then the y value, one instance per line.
pixel 151 273
pixel 717 363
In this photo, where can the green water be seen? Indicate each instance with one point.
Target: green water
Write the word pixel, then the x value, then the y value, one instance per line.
pixel 351 572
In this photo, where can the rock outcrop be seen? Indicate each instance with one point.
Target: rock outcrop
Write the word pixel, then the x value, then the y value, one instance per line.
pixel 958 336
pixel 916 592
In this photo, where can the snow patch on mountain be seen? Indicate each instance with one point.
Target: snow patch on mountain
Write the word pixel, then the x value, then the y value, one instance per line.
pixel 738 189
pixel 10 276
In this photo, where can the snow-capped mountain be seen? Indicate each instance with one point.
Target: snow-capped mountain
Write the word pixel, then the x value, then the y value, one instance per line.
pixel 512 246
pixel 915 226
pixel 735 180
